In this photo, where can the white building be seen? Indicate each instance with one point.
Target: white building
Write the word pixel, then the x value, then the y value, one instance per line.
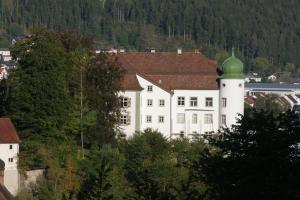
pixel 9 149
pixel 5 54
pixel 178 94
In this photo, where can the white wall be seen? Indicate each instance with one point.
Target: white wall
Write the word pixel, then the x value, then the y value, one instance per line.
pixel 133 111
pixel 233 91
pixel 6 55
pixel 155 110
pixel 200 110
pixel 11 175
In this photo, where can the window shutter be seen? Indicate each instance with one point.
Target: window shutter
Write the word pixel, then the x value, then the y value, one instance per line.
pixel 129 102
pixel 128 119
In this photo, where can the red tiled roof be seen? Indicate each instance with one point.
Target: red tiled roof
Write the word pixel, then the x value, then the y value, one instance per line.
pixel 8 133
pixel 249 100
pixel 130 82
pixel 186 81
pixel 170 70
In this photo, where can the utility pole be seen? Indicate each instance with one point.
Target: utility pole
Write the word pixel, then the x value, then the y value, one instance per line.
pixel 81 106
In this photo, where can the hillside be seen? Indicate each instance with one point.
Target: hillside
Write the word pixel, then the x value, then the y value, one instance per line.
pixel 258 28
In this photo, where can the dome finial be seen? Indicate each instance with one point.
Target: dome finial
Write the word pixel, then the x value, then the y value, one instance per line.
pixel 232 52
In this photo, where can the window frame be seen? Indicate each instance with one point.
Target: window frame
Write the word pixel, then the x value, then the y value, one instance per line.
pixel 181 101
pixel 148 117
pixel 223 119
pixel 224 102
pixel 193 101
pixel 125 119
pixel 161 117
pixel 208 118
pixel 149 102
pixel 160 101
pixel 125 100
pixel 149 88
pixel 209 102
pixel 194 118
pixel 180 118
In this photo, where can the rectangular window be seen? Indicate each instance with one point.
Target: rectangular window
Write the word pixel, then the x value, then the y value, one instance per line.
pixel 161 119
pixel 161 102
pixel 149 102
pixel 180 118
pixel 223 119
pixel 193 101
pixel 149 119
pixel 209 102
pixel 150 88
pixel 208 118
pixel 194 118
pixel 125 119
pixel 180 101
pixel 224 102
pixel 125 102
pixel 10 160
pixel 10 146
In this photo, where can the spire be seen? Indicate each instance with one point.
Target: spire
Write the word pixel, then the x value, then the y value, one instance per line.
pixel 232 52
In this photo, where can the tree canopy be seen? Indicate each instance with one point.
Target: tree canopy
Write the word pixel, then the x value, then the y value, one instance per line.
pixel 256 28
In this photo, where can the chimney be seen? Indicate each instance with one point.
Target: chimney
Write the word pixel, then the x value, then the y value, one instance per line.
pixel 179 51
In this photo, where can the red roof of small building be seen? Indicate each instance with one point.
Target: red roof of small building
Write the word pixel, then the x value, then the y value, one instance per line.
pixel 8 133
pixel 169 71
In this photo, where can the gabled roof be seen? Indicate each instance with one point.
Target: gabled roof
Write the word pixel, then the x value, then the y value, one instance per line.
pixel 170 71
pixel 130 82
pixel 8 133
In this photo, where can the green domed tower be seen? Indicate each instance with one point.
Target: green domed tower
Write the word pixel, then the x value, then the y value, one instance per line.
pixel 232 68
pixel 232 91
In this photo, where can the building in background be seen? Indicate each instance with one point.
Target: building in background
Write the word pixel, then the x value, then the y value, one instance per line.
pixel 9 149
pixel 178 94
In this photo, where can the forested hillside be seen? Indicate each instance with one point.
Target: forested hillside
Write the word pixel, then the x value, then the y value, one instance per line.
pixel 63 99
pixel 258 28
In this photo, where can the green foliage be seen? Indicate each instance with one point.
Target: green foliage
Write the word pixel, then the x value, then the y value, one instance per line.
pixel 38 99
pixel 260 64
pixel 290 67
pixel 159 169
pixel 257 159
pixel 102 173
pixel 257 28
pixel 270 103
pixel 103 82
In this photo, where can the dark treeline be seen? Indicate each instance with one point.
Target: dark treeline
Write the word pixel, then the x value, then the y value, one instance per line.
pixel 268 28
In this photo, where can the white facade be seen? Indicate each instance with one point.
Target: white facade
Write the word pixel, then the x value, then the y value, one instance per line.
pixel 177 113
pixel 5 54
pixel 200 112
pixel 130 120
pixel 231 101
pixel 9 154
pixel 154 107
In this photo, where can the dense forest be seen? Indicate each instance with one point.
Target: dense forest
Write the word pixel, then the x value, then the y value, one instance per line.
pixel 268 28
